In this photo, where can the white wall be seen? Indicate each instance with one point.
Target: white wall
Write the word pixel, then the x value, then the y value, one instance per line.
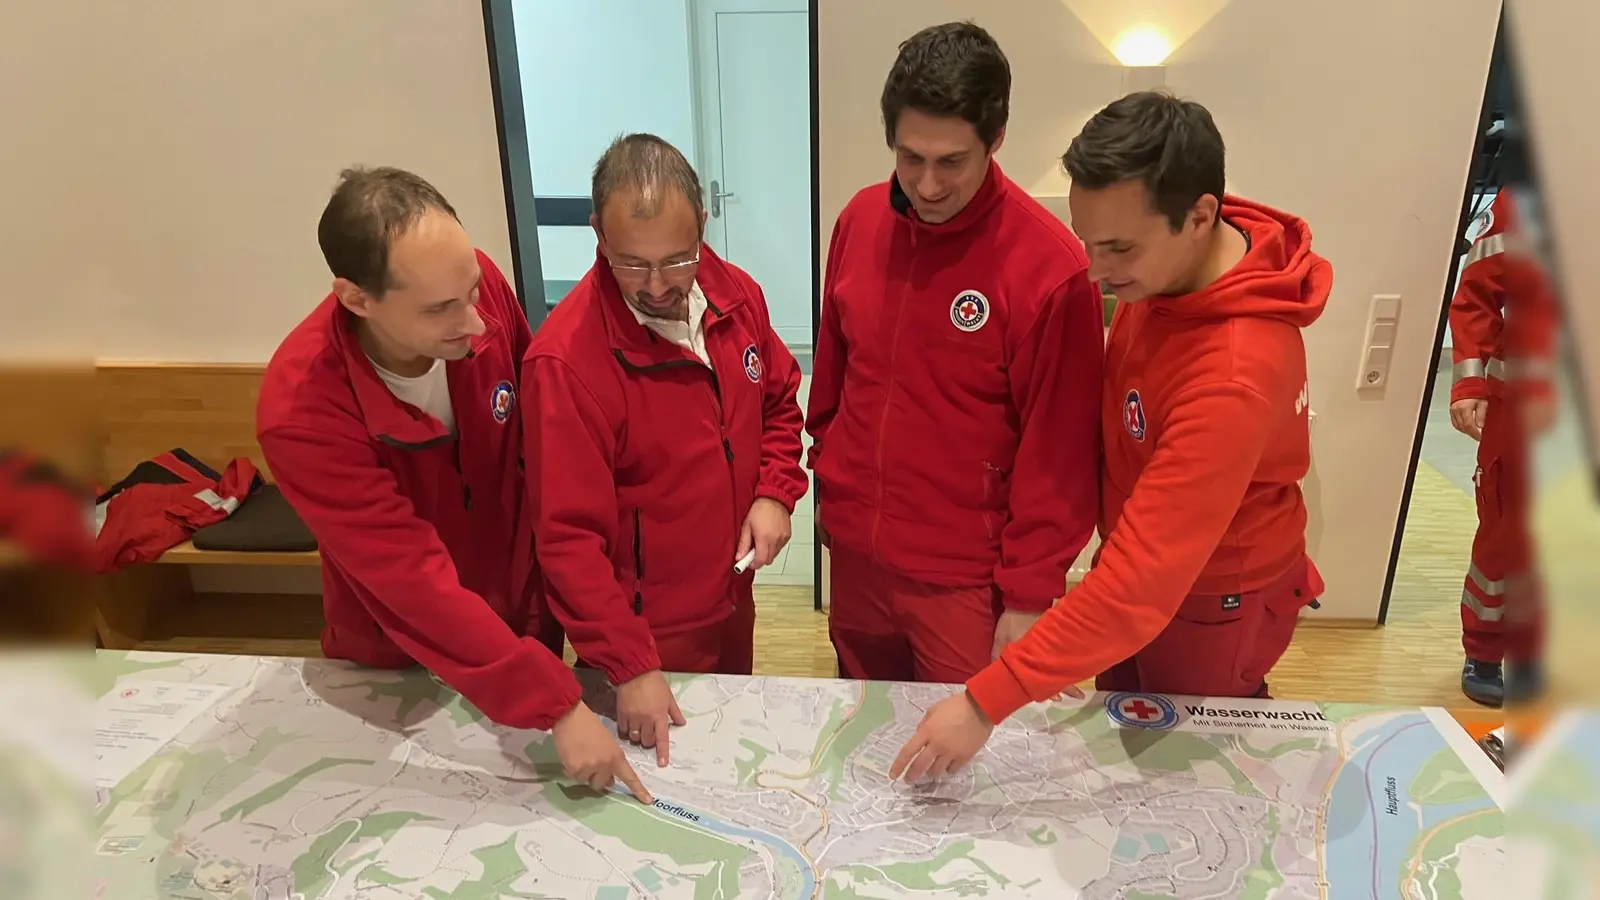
pixel 591 71
pixel 1373 153
pixel 166 163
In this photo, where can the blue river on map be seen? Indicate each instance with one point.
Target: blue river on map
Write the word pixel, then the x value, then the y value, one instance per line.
pixel 1367 846
pixel 711 823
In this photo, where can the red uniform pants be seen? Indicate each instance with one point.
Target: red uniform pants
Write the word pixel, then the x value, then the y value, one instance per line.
pixel 1220 645
pixel 725 648
pixel 1501 566
pixel 887 627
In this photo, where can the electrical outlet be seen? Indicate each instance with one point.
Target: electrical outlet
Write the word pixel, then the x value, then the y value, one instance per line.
pixel 1377 349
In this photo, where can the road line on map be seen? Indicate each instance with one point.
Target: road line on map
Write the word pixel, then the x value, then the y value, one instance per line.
pixel 1415 862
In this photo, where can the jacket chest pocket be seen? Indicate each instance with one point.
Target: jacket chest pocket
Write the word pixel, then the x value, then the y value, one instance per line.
pixel 971 361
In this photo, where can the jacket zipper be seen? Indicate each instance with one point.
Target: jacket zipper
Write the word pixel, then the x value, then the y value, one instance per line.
pixel 722 433
pixel 888 394
pixel 638 563
pixel 727 452
pixel 466 489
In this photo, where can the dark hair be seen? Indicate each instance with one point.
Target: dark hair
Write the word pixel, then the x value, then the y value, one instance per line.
pixel 955 69
pixel 368 210
pixel 1171 145
pixel 645 164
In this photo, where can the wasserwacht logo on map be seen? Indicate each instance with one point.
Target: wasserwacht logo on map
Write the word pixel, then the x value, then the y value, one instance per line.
pixel 1135 710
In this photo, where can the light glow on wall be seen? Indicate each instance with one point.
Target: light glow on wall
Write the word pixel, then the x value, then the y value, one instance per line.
pixel 1142 45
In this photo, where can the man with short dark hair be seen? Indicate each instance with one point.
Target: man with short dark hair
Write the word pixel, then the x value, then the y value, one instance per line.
pixel 1203 572
pixel 663 443
pixel 954 402
pixel 386 417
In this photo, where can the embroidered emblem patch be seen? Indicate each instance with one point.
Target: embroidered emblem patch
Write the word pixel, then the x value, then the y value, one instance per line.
pixel 969 311
pixel 1133 415
pixel 752 363
pixel 501 399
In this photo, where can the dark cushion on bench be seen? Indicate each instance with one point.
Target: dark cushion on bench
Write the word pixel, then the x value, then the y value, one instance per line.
pixel 264 523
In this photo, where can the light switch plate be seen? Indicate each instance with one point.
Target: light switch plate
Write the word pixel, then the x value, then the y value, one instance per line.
pixel 1377 346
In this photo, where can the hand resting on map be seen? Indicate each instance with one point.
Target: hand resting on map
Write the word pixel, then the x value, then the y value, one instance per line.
pixel 949 736
pixel 645 709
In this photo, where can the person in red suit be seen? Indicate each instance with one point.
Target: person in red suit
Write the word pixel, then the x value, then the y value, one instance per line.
pixel 663 443
pixel 1502 328
pixel 954 404
pixel 385 418
pixel 1203 570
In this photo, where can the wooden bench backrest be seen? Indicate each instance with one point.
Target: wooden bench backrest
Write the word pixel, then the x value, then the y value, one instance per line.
pixel 204 408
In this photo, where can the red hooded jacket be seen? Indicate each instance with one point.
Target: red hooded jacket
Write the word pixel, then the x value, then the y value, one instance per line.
pixel 643 461
pixel 954 402
pixel 1206 438
pixel 422 559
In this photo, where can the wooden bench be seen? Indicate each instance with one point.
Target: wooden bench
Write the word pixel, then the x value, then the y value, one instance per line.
pixel 176 603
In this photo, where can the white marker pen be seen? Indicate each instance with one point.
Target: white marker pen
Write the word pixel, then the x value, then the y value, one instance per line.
pixel 741 565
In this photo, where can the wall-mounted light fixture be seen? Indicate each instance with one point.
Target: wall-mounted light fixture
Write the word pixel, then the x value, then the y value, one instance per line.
pixel 1143 51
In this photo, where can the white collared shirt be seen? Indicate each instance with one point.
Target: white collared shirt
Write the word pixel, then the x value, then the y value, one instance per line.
pixel 690 335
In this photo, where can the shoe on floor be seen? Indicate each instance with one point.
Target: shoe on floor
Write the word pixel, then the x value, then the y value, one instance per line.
pixel 1483 682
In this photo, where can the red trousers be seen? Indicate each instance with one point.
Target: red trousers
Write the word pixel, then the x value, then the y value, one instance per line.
pixel 1502 557
pixel 887 627
pixel 1220 645
pixel 725 648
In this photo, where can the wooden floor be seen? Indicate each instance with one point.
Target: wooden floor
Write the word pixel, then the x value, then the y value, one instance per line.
pixel 1414 660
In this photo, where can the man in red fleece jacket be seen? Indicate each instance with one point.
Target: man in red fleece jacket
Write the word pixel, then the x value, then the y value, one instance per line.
pixel 1204 569
pixel 385 417
pixel 663 443
pixel 954 401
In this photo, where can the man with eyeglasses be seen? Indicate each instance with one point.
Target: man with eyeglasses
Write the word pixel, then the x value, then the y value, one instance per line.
pixel 662 443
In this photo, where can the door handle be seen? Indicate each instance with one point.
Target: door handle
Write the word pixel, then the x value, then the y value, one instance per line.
pixel 717 196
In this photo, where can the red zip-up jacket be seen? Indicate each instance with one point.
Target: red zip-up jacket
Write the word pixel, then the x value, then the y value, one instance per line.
pixel 954 404
pixel 422 559
pixel 643 461
pixel 1206 440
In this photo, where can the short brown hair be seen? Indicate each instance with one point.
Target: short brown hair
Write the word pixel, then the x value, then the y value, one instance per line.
pixel 368 210
pixel 951 70
pixel 1171 145
pixel 646 164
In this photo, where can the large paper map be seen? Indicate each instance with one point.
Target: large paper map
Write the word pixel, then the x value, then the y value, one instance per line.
pixel 315 779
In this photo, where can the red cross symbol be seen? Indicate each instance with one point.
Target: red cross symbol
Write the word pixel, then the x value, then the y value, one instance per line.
pixel 1139 709
pixel 969 310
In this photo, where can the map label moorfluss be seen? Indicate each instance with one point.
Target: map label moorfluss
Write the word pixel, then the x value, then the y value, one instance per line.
pixel 678 811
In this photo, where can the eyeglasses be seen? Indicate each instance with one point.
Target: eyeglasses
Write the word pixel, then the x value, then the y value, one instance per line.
pixel 643 273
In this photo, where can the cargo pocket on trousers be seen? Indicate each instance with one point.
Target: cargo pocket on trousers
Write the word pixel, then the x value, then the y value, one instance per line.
pixel 1203 649
pixel 1280 613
